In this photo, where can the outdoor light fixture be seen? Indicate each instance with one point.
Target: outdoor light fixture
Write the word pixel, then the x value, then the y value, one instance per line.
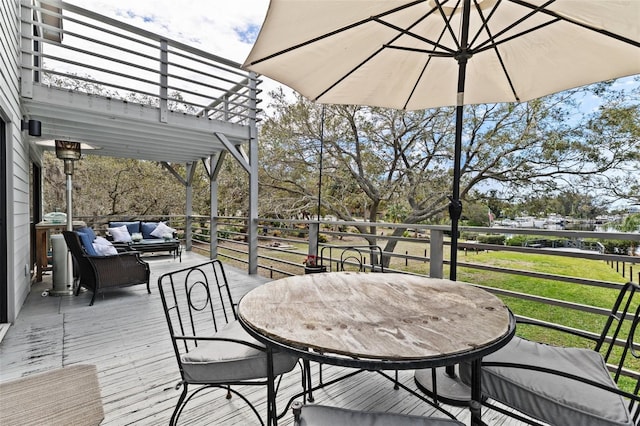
pixel 68 152
pixel 34 127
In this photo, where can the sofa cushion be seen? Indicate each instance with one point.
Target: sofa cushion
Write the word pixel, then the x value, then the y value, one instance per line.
pixel 161 230
pixel 220 361
pixel 120 234
pixel 147 228
pixel 131 226
pixel 87 243
pixel 549 397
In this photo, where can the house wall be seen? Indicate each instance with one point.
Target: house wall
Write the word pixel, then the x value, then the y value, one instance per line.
pixel 18 161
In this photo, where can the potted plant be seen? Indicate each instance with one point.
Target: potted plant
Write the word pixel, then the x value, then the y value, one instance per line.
pixel 311 265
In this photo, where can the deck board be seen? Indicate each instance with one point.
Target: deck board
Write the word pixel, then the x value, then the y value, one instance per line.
pixel 125 335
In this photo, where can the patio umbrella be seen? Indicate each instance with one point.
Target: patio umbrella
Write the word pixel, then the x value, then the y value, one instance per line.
pixel 418 54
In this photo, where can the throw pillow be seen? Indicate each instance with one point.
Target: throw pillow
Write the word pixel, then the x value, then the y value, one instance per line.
pixel 162 229
pixel 87 230
pixel 87 243
pixel 147 228
pixel 120 234
pixel 131 226
pixel 104 247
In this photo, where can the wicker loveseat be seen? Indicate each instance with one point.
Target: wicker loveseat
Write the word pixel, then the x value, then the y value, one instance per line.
pixel 152 237
pixel 97 273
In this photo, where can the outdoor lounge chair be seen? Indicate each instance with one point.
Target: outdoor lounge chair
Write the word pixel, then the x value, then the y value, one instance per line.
pixel 97 273
pixel 568 386
pixel 211 347
pixel 320 415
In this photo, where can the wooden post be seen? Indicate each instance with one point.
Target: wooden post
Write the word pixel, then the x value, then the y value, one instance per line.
pixel 436 249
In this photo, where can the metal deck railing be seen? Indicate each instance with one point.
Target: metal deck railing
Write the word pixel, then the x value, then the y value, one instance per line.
pixel 76 49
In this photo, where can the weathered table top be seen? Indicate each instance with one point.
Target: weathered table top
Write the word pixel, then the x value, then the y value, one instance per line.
pixel 377 316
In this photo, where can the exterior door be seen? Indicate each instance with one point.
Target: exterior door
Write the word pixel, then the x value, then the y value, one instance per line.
pixel 4 288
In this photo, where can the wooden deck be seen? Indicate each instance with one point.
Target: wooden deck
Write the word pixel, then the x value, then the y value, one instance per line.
pixel 125 335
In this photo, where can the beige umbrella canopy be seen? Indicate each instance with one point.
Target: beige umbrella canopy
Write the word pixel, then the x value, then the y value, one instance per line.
pixel 401 53
pixel 417 54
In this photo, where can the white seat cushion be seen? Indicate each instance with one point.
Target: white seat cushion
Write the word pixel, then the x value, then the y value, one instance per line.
pixel 220 362
pixel 319 415
pixel 548 397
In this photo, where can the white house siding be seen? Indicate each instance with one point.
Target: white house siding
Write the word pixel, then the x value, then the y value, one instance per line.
pixel 18 163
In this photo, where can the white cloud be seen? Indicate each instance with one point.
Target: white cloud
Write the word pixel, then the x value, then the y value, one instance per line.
pixel 226 28
pixel 218 27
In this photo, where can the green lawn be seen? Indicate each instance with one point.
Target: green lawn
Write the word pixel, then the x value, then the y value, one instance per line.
pixel 566 266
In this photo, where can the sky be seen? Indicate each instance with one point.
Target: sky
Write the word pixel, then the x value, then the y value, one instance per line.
pixel 225 28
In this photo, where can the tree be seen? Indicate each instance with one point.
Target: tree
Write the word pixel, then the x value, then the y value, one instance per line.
pixel 372 155
pixel 104 186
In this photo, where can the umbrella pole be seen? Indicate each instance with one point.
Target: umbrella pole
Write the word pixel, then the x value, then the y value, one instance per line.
pixel 455 205
pixel 451 390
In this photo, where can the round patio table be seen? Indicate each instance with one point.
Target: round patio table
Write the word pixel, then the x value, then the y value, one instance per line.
pixel 378 321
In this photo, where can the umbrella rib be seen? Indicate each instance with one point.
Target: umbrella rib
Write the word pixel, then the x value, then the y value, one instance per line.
pixel 402 31
pixel 485 27
pixel 415 85
pixel 431 53
pixel 447 21
pixel 487 46
pixel 334 32
pixel 482 46
pixel 485 21
pixel 338 81
pixel 580 24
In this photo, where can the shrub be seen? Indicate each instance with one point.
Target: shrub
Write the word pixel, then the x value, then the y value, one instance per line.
pixel 322 238
pixel 616 246
pixel 469 236
pixel 517 240
pixel 496 239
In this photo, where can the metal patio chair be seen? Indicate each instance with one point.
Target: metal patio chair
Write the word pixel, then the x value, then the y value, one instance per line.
pixel 321 415
pixel 569 386
pixel 211 347
pixel 97 273
pixel 353 258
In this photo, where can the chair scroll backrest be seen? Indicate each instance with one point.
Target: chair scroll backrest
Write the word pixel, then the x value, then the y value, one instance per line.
pixel 197 302
pixel 354 257
pixel 624 311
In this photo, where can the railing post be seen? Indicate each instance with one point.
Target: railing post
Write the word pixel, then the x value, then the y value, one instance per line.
pixel 27 73
pixel 188 228
pixel 314 230
pixel 252 225
pixel 164 81
pixel 213 210
pixel 436 250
